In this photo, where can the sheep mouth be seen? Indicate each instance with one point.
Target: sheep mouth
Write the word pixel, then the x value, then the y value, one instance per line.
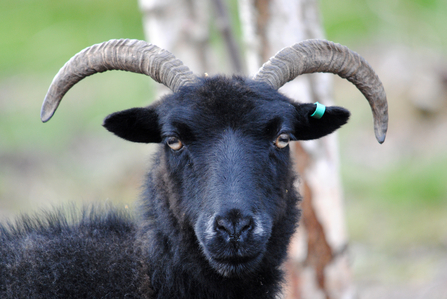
pixel 236 260
pixel 235 266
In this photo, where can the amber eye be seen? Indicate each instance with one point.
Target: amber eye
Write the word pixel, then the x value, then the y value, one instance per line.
pixel 174 143
pixel 282 141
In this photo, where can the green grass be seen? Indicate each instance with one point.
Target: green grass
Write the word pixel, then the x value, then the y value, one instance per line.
pixel 414 23
pixel 408 181
pixel 398 206
pixel 40 35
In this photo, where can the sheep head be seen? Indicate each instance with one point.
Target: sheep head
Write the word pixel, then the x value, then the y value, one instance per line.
pixel 224 142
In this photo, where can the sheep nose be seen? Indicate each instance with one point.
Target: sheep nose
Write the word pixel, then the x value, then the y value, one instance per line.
pixel 234 226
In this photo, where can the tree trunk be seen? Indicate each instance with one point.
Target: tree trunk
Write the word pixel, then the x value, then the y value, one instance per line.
pixel 184 27
pixel 318 265
pixel 181 27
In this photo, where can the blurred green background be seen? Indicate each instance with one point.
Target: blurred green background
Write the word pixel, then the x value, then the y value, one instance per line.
pixel 396 193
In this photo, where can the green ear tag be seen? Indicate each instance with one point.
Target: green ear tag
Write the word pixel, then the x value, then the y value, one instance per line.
pixel 319 111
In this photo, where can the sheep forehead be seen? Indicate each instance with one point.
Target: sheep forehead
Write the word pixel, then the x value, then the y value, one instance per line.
pixel 224 102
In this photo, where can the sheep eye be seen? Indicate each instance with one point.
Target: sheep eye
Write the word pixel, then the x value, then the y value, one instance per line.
pixel 174 143
pixel 282 141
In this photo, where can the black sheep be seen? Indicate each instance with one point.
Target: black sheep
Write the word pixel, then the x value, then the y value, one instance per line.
pixel 219 206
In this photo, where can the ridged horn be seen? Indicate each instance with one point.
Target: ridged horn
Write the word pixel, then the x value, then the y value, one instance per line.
pixel 313 56
pixel 123 54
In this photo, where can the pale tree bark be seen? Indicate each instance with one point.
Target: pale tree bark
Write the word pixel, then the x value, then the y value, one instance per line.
pixel 181 27
pixel 318 266
pixel 224 25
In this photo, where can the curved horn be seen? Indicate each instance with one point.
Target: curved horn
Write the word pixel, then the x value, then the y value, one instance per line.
pixel 126 55
pixel 312 56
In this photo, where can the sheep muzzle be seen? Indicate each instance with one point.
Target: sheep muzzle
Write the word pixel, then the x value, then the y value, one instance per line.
pixel 233 243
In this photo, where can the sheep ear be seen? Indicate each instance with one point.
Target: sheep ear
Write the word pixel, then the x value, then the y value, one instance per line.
pixel 136 124
pixel 308 127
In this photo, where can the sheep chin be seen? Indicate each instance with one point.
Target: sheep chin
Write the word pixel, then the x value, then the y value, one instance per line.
pixel 230 269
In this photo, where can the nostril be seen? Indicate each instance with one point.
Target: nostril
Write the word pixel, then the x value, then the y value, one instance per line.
pixel 223 225
pixel 246 224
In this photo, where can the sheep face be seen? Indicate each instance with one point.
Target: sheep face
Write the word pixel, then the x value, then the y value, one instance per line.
pixel 225 150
